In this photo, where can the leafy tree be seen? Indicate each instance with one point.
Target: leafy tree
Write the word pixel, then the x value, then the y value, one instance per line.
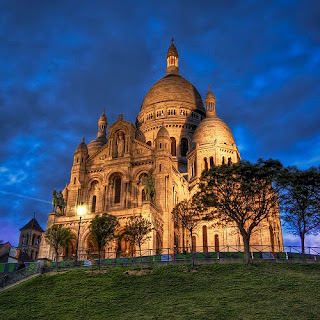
pixel 244 194
pixel 188 214
pixel 136 231
pixel 103 230
pixel 58 236
pixel 300 202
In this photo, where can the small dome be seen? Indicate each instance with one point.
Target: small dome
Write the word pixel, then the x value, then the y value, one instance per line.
pixel 213 130
pixel 96 144
pixel 82 147
pixel 163 133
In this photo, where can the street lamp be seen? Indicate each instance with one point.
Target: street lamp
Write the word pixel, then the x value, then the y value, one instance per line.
pixel 81 210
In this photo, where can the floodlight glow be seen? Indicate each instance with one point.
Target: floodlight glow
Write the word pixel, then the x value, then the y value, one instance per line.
pixel 81 210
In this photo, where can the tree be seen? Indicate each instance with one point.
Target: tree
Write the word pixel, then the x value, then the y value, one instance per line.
pixel 58 236
pixel 299 201
pixel 243 194
pixel 188 214
pixel 103 230
pixel 136 231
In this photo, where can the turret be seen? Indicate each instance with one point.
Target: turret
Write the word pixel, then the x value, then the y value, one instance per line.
pixel 102 125
pixel 163 142
pixel 210 103
pixel 172 59
pixel 79 163
pixel 101 138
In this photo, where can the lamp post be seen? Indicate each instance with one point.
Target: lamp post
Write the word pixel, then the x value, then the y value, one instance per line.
pixel 81 210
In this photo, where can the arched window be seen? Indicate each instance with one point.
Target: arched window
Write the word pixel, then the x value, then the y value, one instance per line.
pixel 117 190
pixel 211 162
pixel 216 243
pixel 229 162
pixel 205 164
pixel 23 240
pixel 205 238
pixel 38 241
pixel 93 205
pixel 223 161
pixel 74 180
pixel 33 238
pixel 184 147
pixel 160 167
pixel 173 147
pixel 149 143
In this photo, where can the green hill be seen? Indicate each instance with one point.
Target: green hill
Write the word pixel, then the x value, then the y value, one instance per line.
pixel 230 291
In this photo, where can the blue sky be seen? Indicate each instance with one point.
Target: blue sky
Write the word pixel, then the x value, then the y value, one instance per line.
pixel 63 62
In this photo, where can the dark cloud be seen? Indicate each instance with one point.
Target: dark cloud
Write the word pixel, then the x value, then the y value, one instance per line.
pixel 63 62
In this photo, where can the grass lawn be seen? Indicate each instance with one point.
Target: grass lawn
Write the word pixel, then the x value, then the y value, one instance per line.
pixel 231 291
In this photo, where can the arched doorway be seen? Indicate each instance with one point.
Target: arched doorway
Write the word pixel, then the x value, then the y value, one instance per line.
pixel 124 247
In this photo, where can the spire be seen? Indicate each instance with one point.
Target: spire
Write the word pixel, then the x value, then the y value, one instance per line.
pixel 172 59
pixel 102 124
pixel 211 103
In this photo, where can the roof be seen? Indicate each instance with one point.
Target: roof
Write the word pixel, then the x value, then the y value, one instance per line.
pixel 32 224
pixel 173 89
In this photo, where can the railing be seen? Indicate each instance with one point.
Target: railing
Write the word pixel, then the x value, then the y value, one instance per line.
pixel 185 254
pixel 9 278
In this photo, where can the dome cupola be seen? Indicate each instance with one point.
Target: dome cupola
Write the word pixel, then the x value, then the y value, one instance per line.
pixel 102 124
pixel 172 59
pixel 101 138
pixel 210 103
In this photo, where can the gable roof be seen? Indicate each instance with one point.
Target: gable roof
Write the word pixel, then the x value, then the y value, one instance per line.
pixel 32 224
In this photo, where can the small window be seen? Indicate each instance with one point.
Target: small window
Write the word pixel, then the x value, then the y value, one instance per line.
pixel 229 162
pixel 223 161
pixel 160 167
pixel 211 162
pixel 93 205
pixel 184 147
pixel 205 164
pixel 149 143
pixel 117 191
pixel 173 147
pixel 77 160
pixel 74 180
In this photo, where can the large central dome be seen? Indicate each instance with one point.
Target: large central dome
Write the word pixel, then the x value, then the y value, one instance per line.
pixel 173 88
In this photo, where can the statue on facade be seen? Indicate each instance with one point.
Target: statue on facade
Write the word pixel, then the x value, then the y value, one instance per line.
pixel 58 202
pixel 149 189
pixel 54 200
pixel 120 144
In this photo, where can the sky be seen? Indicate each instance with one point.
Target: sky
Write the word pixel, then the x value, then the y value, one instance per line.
pixel 63 62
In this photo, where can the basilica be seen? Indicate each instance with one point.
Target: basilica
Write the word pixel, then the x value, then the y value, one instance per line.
pixel 176 137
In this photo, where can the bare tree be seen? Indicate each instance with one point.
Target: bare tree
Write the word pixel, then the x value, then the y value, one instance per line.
pixel 300 202
pixel 103 230
pixel 57 237
pixel 188 214
pixel 137 230
pixel 243 194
